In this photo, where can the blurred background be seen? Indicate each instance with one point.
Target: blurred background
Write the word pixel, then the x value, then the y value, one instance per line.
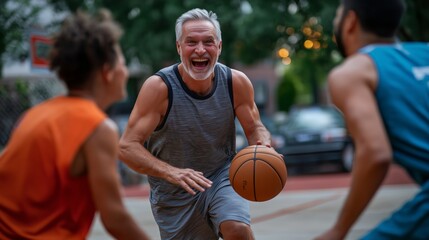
pixel 285 47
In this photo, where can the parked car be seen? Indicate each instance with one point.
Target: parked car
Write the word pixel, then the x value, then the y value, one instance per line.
pixel 240 137
pixel 316 135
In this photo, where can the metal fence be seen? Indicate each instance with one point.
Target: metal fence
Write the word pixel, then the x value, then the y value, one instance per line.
pixel 19 94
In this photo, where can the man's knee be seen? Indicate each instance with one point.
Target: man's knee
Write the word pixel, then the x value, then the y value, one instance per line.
pixel 236 230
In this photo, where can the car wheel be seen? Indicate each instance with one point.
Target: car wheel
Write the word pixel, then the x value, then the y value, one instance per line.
pixel 348 157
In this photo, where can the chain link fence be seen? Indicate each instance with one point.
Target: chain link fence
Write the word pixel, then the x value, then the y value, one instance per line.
pixel 19 94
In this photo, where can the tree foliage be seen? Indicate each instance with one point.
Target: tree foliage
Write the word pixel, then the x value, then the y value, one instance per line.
pixel 415 23
pixel 16 17
pixel 252 30
pixel 287 92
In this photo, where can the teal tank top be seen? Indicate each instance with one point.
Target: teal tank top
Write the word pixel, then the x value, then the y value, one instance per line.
pixel 403 100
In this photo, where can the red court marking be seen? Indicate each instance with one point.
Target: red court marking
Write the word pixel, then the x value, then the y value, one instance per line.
pixel 136 191
pixel 395 176
pixel 297 208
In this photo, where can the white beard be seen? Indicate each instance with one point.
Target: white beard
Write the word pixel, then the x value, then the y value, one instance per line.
pixel 200 76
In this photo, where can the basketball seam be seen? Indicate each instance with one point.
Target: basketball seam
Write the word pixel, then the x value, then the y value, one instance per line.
pixel 254 172
pixel 238 170
pixel 254 179
pixel 275 170
pixel 274 155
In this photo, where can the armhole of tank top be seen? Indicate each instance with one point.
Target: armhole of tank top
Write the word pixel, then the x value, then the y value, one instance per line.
pixel 230 88
pixel 170 99
pixel 374 59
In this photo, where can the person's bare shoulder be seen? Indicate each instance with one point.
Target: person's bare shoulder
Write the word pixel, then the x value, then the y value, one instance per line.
pixel 149 110
pixel 238 75
pixel 357 69
pixel 106 134
pixel 155 84
pixel 352 83
pixel 240 81
pixel 153 94
pixel 108 125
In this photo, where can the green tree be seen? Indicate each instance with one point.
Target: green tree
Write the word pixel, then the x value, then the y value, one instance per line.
pixel 287 92
pixel 149 25
pixel 252 30
pixel 415 22
pixel 16 16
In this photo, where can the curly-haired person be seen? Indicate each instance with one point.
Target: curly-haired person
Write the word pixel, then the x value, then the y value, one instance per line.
pixel 59 166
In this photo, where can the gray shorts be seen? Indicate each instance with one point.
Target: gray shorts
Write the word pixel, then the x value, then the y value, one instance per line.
pixel 201 217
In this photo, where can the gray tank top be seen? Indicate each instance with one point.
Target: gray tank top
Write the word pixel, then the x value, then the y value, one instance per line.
pixel 197 132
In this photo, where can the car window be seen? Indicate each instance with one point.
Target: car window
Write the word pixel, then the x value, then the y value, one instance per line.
pixel 315 119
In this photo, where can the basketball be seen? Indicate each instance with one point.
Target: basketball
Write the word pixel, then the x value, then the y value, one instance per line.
pixel 258 173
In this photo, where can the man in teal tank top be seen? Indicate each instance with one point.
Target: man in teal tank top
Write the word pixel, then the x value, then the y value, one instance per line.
pixel 383 90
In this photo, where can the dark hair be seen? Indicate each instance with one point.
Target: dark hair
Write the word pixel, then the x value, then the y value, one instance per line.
pixel 381 17
pixel 84 44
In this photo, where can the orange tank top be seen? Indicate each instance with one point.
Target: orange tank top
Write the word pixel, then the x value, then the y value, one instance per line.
pixel 38 197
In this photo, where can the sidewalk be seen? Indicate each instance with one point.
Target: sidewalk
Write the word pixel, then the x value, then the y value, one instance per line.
pixel 300 212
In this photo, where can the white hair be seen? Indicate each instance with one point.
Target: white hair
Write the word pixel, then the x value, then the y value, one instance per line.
pixel 198 14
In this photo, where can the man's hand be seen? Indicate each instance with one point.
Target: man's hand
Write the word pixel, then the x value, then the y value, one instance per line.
pixel 269 145
pixel 188 179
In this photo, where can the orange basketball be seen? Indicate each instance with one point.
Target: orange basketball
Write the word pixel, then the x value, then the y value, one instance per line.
pixel 258 173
